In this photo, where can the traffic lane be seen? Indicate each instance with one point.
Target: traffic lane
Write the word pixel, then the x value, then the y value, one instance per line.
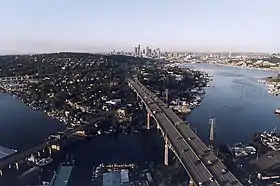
pixel 207 175
pixel 143 95
pixel 216 167
pixel 200 147
pixel 228 178
pixel 175 117
pixel 197 169
pixel 192 161
pixel 172 135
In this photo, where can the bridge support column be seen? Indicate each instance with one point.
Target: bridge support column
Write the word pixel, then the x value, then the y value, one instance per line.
pixel 43 150
pixel 158 127
pixel 166 150
pixel 166 154
pixel 191 183
pixel 39 153
pixel 1 172
pixel 50 150
pixel 141 104
pixel 10 166
pixel 17 166
pixel 148 120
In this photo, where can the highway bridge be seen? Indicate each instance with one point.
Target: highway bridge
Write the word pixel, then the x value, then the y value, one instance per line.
pixel 20 155
pixel 203 167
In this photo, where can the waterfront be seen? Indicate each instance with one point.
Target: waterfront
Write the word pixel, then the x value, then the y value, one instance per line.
pixel 240 104
pixel 21 127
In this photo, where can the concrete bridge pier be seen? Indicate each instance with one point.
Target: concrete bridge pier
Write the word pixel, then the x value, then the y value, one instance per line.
pixel 1 172
pixel 39 154
pixel 166 154
pixel 148 120
pixel 191 183
pixel 166 148
pixel 141 104
pixel 158 127
pixel 17 166
pixel 10 166
pixel 50 150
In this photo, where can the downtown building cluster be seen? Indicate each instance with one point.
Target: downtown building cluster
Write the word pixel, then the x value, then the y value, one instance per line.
pixel 146 52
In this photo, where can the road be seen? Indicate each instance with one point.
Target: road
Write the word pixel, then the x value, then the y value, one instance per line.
pixel 187 145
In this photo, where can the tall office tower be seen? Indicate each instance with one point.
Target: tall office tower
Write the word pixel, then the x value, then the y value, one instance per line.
pixel 139 50
pixel 150 51
pixel 154 52
pixel 135 51
pixel 147 51
pixel 158 52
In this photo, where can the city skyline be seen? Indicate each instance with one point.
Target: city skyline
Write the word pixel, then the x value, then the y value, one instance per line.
pixel 102 26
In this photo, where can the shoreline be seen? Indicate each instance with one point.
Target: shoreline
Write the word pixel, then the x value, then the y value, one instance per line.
pixel 244 67
pixel 226 65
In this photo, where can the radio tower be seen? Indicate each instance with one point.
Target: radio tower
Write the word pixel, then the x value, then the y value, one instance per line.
pixel 212 123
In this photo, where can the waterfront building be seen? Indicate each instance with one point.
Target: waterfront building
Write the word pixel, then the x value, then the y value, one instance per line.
pixel 63 176
pixel 112 179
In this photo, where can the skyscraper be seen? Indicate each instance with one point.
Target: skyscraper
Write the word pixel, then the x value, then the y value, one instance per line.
pixel 158 52
pixel 136 50
pixel 147 51
pixel 139 50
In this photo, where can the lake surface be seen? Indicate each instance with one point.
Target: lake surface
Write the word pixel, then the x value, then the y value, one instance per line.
pixel 21 127
pixel 240 104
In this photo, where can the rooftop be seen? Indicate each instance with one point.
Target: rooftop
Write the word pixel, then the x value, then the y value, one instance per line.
pixel 63 176
pixel 112 179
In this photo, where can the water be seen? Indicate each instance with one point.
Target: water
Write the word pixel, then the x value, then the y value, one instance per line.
pixel 240 104
pixel 22 127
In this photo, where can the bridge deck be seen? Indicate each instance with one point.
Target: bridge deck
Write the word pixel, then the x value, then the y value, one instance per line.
pixel 176 127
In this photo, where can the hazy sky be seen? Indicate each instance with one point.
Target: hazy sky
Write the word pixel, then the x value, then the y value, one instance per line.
pixel 99 25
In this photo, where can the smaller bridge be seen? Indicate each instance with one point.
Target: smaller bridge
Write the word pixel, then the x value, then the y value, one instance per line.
pixel 18 156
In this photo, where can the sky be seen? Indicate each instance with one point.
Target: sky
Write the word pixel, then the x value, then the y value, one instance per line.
pixel 38 26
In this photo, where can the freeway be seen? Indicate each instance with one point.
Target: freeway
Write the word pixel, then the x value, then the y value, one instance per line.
pixel 205 155
pixel 190 161
pixel 18 156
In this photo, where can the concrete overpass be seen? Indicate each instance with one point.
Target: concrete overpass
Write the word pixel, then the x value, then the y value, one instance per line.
pixel 198 160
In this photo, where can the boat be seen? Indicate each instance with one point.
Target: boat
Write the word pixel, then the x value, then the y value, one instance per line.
pixel 277 111
pixel 44 161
